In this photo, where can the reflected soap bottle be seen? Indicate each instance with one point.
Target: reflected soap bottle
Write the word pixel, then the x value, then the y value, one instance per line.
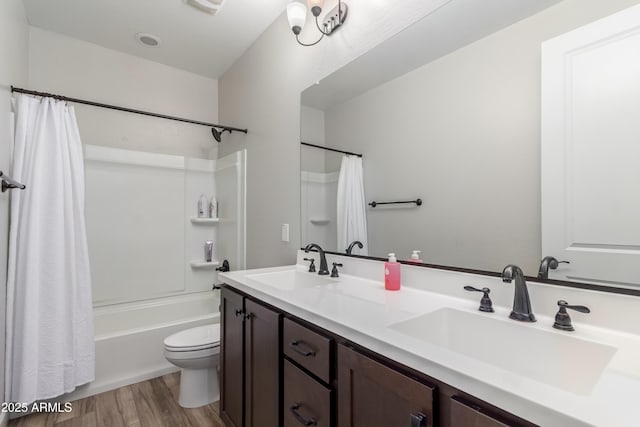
pixel 415 257
pixel 392 274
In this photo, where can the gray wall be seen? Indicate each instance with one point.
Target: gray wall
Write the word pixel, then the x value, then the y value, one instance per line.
pixel 72 67
pixel 463 133
pixel 14 37
pixel 262 90
pixel 312 159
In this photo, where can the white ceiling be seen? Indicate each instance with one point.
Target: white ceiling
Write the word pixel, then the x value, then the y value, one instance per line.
pixel 191 40
pixel 452 26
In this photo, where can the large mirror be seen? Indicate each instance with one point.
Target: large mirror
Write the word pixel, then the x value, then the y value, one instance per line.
pixel 453 115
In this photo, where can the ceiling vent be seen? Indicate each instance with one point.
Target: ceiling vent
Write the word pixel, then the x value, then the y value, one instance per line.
pixel 148 39
pixel 209 6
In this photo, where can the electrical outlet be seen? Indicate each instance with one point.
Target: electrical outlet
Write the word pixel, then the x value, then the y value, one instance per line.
pixel 285 232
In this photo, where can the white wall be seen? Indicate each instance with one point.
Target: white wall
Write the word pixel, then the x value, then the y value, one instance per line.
pixel 14 38
pixel 146 249
pixel 71 67
pixel 262 89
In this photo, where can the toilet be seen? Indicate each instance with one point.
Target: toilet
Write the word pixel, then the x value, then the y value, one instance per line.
pixel 196 351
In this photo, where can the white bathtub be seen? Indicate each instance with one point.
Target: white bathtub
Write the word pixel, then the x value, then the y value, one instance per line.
pixel 129 338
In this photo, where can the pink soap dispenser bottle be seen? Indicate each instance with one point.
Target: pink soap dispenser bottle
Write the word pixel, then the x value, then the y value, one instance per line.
pixel 392 274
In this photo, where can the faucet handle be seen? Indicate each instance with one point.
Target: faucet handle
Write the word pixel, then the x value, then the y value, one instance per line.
pixel 334 270
pixel 224 268
pixel 554 263
pixel 485 303
pixel 563 320
pixel 312 266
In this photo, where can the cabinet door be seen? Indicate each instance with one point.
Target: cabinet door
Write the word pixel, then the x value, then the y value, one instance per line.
pixel 262 366
pixel 231 358
pixel 371 394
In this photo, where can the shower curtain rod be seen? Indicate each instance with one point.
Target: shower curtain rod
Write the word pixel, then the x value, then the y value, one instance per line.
pixel 330 149
pixel 126 110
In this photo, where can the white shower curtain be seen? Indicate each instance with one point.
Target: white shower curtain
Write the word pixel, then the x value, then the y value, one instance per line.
pixel 50 343
pixel 352 216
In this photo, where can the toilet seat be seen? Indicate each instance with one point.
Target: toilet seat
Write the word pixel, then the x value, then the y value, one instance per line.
pixel 194 348
pixel 174 356
pixel 194 339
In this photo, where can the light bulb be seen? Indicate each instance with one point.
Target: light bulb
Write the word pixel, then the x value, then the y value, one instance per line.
pixel 297 15
pixel 315 6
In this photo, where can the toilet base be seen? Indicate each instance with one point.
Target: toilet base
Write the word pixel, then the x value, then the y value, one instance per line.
pixel 198 387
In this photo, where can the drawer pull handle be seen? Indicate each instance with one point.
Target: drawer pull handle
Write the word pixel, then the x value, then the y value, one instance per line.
pixel 294 410
pixel 418 420
pixel 296 346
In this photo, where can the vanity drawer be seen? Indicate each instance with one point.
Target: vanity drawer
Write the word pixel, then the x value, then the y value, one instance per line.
pixel 465 414
pixel 306 401
pixel 308 348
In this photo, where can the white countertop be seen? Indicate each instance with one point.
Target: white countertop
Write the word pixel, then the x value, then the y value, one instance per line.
pixel 360 310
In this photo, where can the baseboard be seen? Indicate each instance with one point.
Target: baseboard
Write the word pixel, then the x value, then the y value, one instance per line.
pixel 94 388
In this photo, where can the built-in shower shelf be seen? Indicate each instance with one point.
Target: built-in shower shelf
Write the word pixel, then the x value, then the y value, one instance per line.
pixel 198 220
pixel 202 264
pixel 319 221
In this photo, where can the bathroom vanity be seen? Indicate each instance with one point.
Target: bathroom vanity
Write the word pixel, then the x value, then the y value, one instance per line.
pixel 303 349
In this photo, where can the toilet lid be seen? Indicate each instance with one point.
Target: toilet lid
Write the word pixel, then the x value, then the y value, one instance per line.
pixel 199 337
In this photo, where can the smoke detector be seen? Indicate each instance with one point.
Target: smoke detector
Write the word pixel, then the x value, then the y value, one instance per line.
pixel 148 39
pixel 208 6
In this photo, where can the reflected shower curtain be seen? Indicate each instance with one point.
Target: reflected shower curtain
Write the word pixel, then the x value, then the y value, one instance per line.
pixel 50 343
pixel 352 215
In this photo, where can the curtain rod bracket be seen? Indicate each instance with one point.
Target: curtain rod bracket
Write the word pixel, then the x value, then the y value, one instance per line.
pixel 9 184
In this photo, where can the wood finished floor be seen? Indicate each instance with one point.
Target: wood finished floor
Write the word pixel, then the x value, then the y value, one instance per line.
pixel 152 403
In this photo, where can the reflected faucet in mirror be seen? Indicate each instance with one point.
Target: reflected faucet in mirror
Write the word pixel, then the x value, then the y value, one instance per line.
pixel 323 269
pixel 547 263
pixel 351 245
pixel 521 303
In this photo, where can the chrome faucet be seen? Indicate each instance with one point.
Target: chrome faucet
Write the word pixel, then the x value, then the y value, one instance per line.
pixel 547 263
pixel 521 302
pixel 323 269
pixel 354 243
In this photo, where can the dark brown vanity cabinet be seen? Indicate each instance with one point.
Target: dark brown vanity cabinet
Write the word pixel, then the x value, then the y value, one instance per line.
pixel 249 362
pixel 374 395
pixel 277 370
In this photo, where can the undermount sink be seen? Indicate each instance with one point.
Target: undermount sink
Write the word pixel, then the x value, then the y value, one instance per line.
pixel 557 359
pixel 288 280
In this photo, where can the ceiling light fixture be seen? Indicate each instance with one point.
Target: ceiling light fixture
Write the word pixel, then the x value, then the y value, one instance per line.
pixel 297 15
